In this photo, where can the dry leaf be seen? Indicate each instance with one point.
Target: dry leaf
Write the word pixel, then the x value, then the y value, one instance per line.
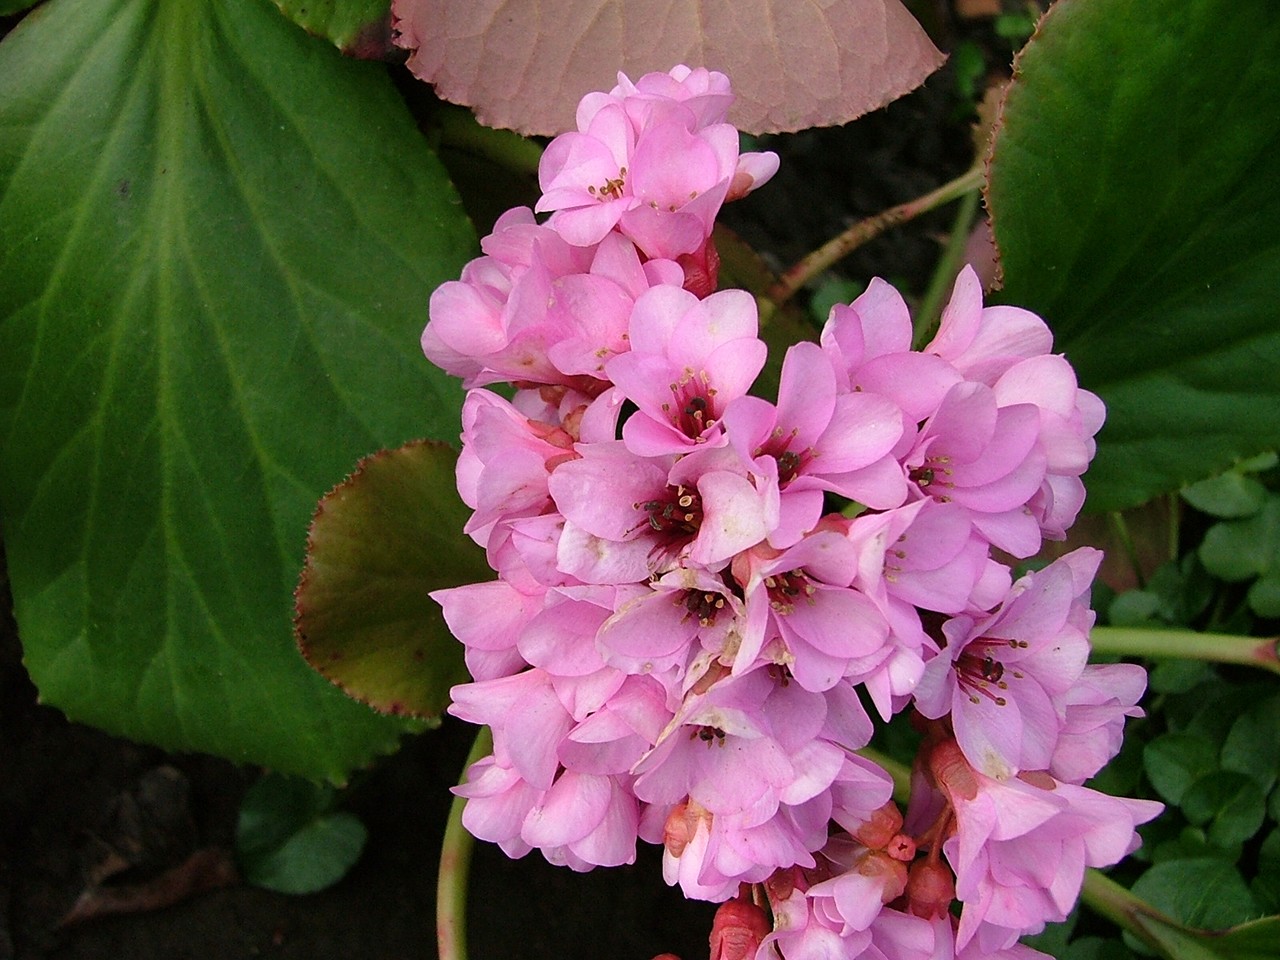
pixel 524 64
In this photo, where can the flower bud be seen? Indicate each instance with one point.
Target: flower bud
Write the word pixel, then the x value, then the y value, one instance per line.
pixel 737 930
pixel 930 889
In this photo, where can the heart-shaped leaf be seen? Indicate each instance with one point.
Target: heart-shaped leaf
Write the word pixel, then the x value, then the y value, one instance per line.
pixel 291 840
pixel 379 544
pixel 217 241
pixel 1133 196
pixel 524 64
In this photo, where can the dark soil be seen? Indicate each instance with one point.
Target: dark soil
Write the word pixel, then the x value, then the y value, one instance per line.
pixel 61 784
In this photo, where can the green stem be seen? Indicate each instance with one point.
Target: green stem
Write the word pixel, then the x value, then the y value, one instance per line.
pixel 858 234
pixel 900 772
pixel 944 274
pixel 1188 645
pixel 455 865
pixel 460 130
pixel 1108 899
pixel 1120 528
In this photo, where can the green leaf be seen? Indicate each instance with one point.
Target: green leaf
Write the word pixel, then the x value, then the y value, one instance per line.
pixel 1204 892
pixel 1266 885
pixel 361 28
pixel 1236 550
pixel 1253 745
pixel 217 241
pixel 1136 210
pixel 1229 806
pixel 1230 494
pixel 1264 595
pixel 290 840
pixel 1178 676
pixel 380 543
pixel 1096 948
pixel 1174 761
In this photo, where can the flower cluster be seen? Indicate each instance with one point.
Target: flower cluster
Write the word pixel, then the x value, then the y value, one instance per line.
pixel 699 590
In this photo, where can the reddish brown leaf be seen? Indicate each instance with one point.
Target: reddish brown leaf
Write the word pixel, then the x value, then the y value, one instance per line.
pixel 524 64
pixel 207 869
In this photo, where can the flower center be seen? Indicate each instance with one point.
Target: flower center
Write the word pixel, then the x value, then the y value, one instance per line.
pixel 703 605
pixel 691 408
pixel 980 673
pixel 932 476
pixel 708 735
pixel 611 189
pixel 784 588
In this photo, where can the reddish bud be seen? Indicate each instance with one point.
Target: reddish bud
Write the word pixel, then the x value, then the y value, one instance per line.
pixel 738 928
pixel 901 847
pixel 884 824
pixel 930 889
pixel 951 771
pixel 701 270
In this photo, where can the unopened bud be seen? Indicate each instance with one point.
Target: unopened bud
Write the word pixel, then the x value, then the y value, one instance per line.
pixel 884 824
pixel 930 889
pixel 737 930
pixel 951 771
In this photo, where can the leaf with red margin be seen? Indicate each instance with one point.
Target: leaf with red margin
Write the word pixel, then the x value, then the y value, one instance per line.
pixel 359 28
pixel 380 542
pixel 524 64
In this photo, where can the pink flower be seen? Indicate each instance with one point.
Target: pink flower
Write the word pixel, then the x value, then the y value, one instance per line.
pixel 983 343
pixel 820 439
pixel 689 358
pixel 618 170
pixel 490 325
pixel 998 675
pixel 1093 712
pixel 801 597
pixel 986 458
pixel 1021 845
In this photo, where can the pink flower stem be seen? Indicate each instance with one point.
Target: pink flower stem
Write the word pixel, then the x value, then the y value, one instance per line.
pixel 1188 645
pixel 455 864
pixel 862 231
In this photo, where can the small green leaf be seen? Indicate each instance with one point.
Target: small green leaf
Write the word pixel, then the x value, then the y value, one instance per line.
pixel 1096 948
pixel 1235 550
pixel 1203 892
pixel 289 839
pixel 379 544
pixel 1229 806
pixel 1253 745
pixel 1178 676
pixel 1134 608
pixel 1174 761
pixel 1266 885
pixel 1228 495
pixel 1136 210
pixel 831 291
pixel 1264 595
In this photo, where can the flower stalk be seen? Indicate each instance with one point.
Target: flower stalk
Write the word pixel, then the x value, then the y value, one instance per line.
pixel 455 866
pixel 1188 645
pixel 864 230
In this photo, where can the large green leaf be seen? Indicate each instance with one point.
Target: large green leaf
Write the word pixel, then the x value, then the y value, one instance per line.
pixel 361 28
pixel 217 240
pixel 1133 191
